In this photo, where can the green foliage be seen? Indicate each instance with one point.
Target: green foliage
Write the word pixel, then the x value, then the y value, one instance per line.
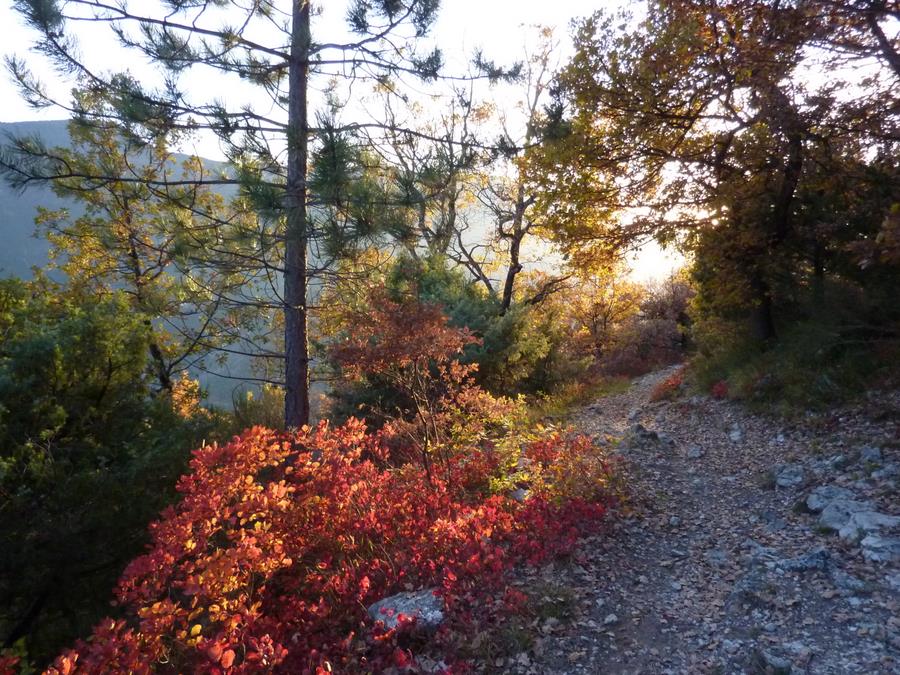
pixel 824 355
pixel 177 254
pixel 358 202
pixel 69 372
pixel 262 408
pixel 87 458
pixel 517 348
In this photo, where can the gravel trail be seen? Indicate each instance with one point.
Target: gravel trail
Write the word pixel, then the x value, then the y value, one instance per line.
pixel 715 564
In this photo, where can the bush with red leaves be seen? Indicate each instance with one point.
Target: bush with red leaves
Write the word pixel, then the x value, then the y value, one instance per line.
pixel 719 390
pixel 669 387
pixel 280 541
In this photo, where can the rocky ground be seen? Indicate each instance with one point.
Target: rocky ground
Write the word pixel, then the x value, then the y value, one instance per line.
pixel 749 545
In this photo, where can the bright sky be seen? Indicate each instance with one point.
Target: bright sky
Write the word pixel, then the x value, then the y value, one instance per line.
pixel 500 28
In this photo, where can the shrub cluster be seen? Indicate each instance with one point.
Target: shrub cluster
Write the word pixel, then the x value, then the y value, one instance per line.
pixel 669 387
pixel 89 454
pixel 280 541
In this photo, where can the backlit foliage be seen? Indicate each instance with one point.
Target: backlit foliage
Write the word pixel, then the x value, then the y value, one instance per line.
pixel 280 541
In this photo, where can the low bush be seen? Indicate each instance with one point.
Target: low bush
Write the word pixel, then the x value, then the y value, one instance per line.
pixel 669 387
pixel 719 390
pixel 280 541
pixel 812 365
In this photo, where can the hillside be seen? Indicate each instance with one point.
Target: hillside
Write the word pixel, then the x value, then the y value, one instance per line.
pixel 21 249
pixel 24 249
pixel 568 348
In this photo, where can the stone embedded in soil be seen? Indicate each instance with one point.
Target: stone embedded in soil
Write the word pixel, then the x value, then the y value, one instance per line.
pixel 817 559
pixel 864 522
pixel 891 470
pixel 715 557
pixel 424 606
pixel 823 495
pixel 845 581
pixel 871 454
pixel 880 549
pixel 519 494
pixel 838 512
pixel 767 662
pixel 789 476
pixel 695 452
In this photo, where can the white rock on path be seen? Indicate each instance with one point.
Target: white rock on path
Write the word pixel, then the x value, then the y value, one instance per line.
pixel 789 476
pixel 880 549
pixel 870 454
pixel 837 514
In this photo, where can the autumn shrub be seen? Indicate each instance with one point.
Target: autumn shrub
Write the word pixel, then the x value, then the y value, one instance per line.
pixel 280 541
pixel 513 347
pixel 669 387
pixel 518 351
pixel 719 390
pixel 656 336
pixel 263 407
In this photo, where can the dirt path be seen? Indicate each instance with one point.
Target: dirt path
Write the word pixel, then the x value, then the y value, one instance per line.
pixel 717 566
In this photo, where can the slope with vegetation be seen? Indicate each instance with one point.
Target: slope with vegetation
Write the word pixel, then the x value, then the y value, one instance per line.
pixel 450 272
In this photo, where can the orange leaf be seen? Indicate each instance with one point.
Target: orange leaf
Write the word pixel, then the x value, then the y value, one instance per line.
pixel 227 659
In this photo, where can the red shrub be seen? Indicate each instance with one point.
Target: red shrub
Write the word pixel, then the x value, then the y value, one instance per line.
pixel 280 542
pixel 9 665
pixel 668 387
pixel 719 390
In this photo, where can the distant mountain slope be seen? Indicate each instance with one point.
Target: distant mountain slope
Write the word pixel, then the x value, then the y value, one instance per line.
pixel 21 249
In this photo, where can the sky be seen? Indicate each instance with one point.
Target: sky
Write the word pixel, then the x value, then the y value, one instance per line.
pixel 500 28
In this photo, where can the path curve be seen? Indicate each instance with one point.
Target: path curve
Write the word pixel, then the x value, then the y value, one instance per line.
pixel 715 568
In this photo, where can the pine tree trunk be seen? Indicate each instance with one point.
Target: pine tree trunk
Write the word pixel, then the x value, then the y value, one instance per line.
pixel 296 344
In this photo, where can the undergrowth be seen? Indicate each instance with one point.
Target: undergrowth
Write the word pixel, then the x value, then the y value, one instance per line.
pixel 812 365
pixel 560 403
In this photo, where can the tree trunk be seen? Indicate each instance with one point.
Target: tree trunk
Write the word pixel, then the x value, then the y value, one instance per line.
pixel 296 344
pixel 890 53
pixel 515 265
pixel 761 317
pixel 511 272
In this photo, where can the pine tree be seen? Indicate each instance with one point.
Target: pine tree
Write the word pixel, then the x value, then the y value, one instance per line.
pixel 270 150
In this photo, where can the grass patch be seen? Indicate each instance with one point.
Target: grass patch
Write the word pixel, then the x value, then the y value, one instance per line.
pixel 567 397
